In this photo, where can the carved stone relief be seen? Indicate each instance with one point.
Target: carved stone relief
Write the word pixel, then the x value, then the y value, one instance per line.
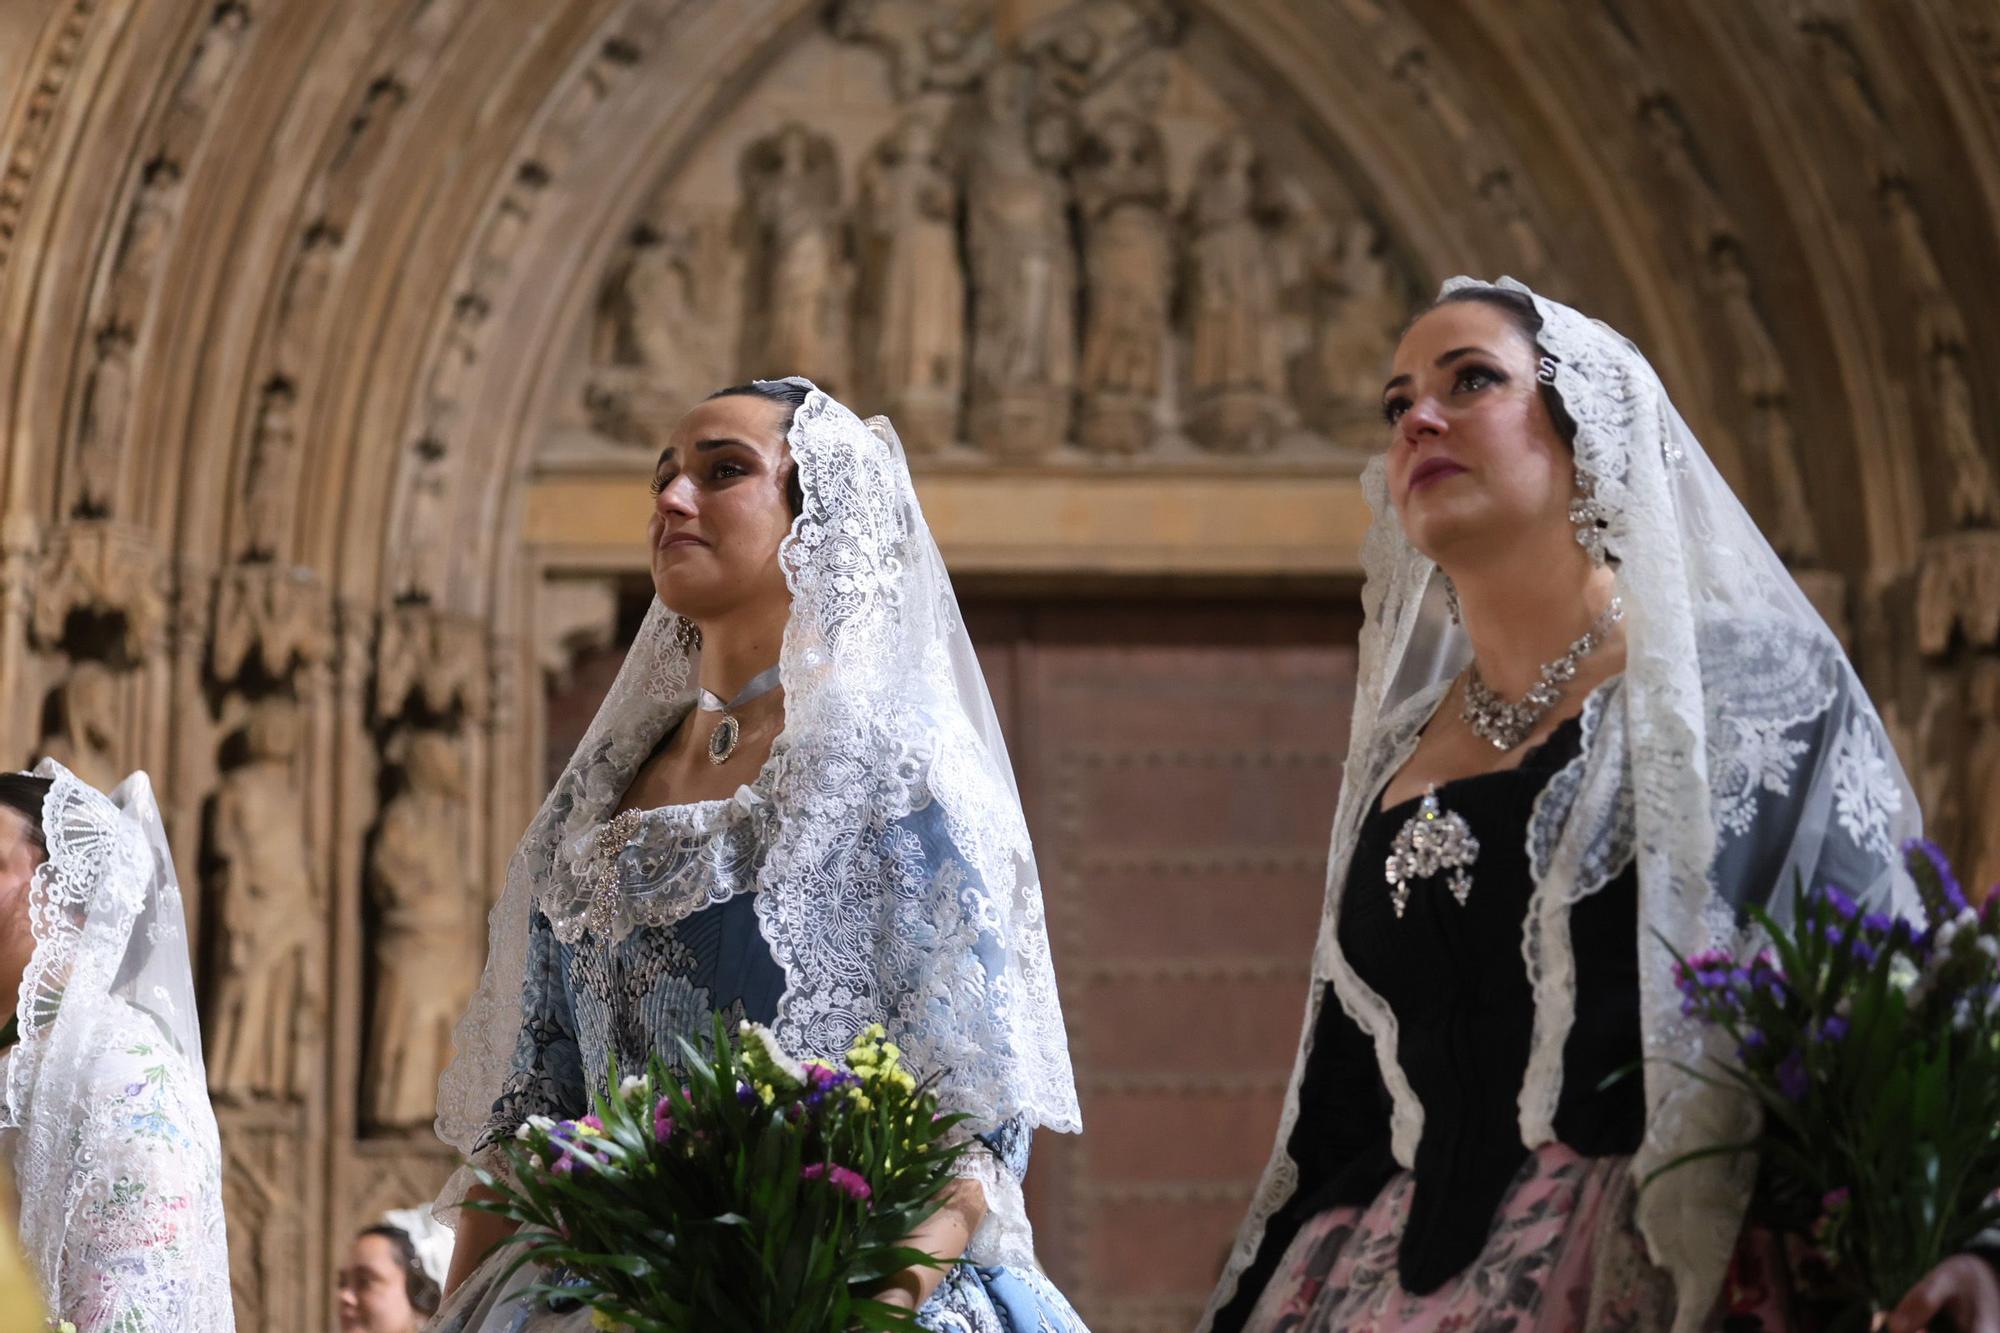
pixel 201 84
pixel 271 478
pixel 103 572
pixel 433 659
pixel 1038 235
pixel 425 943
pixel 799 276
pixel 1022 270
pixel 1236 363
pixel 268 1007
pixel 1128 266
pixel 100 436
pixel 83 731
pixel 274 617
pixel 911 305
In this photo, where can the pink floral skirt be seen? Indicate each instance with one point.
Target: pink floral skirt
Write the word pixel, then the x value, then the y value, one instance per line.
pixel 1564 1254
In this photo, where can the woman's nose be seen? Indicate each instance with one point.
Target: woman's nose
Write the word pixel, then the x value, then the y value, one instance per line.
pixel 1421 419
pixel 677 497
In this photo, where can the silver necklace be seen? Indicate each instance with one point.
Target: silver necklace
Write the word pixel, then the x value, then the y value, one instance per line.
pixel 1507 725
pixel 722 741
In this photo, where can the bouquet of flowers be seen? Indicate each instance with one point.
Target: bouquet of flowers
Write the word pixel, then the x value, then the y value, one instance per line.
pixel 1872 1045
pixel 750 1191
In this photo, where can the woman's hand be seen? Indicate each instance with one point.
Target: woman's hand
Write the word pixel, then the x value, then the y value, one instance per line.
pixel 944 1236
pixel 1964 1287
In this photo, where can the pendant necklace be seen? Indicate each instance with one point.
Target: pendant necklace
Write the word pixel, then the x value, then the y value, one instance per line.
pixel 1431 841
pixel 722 741
pixel 1506 725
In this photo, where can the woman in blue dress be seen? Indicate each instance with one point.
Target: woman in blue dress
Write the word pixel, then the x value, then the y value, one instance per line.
pixel 794 807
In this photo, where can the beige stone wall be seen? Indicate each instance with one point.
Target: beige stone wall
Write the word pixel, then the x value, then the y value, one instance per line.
pixel 335 337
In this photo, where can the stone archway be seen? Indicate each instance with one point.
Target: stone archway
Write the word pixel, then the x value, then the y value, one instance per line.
pixel 293 291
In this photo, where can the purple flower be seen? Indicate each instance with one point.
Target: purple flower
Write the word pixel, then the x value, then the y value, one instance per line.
pixel 1833 1199
pixel 592 1121
pixel 663 1120
pixel 1753 1042
pixel 1843 906
pixel 1792 1080
pixel 1940 887
pixel 134 1089
pixel 746 1094
pixel 1833 1028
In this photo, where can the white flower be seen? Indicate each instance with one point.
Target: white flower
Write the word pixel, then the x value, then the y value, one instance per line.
pixel 630 1084
pixel 1902 973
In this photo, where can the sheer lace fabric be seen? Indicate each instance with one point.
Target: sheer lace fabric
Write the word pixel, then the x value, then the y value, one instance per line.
pixel 106 1121
pixel 1736 754
pixel 893 874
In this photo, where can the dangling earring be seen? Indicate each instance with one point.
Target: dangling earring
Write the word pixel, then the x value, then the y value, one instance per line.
pixel 1451 599
pixel 1589 517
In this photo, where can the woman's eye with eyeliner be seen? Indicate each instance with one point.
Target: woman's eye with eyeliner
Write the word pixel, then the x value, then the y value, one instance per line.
pixel 1393 410
pixel 1476 377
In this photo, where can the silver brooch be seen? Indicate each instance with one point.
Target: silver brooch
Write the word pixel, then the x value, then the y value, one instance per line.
pixel 1430 841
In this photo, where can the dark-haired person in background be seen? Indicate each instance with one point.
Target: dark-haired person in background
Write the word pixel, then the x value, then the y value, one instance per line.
pixel 104 1112
pixel 383 1286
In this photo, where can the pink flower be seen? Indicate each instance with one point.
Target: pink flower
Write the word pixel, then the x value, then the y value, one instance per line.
pixel 850 1183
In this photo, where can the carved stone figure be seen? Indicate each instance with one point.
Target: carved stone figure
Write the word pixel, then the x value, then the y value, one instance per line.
pixel 348 174
pixel 912 307
pixel 1128 262
pixel 83 731
pixel 305 291
pixel 931 45
pixel 1761 380
pixel 146 231
pixel 1975 500
pixel 201 85
pixel 1979 794
pixel 426 953
pixel 1360 309
pixel 99 568
pixel 665 312
pixel 796 307
pixel 100 437
pixel 269 1005
pixel 271 614
pixel 1236 360
pixel 431 658
pixel 1023 276
pixel 273 472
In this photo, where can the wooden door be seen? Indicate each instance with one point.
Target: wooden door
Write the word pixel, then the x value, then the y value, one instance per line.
pixel 1179 763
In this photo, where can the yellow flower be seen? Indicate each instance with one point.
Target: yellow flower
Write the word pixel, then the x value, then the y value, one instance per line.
pixel 603 1321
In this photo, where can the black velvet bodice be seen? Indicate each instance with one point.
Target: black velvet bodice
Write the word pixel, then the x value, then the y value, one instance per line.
pixel 1455 978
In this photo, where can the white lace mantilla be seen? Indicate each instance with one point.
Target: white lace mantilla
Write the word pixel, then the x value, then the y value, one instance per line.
pixel 1736 756
pixel 106 1121
pixel 894 878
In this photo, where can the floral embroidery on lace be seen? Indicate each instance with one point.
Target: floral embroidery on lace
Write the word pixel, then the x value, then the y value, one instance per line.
pixel 1866 793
